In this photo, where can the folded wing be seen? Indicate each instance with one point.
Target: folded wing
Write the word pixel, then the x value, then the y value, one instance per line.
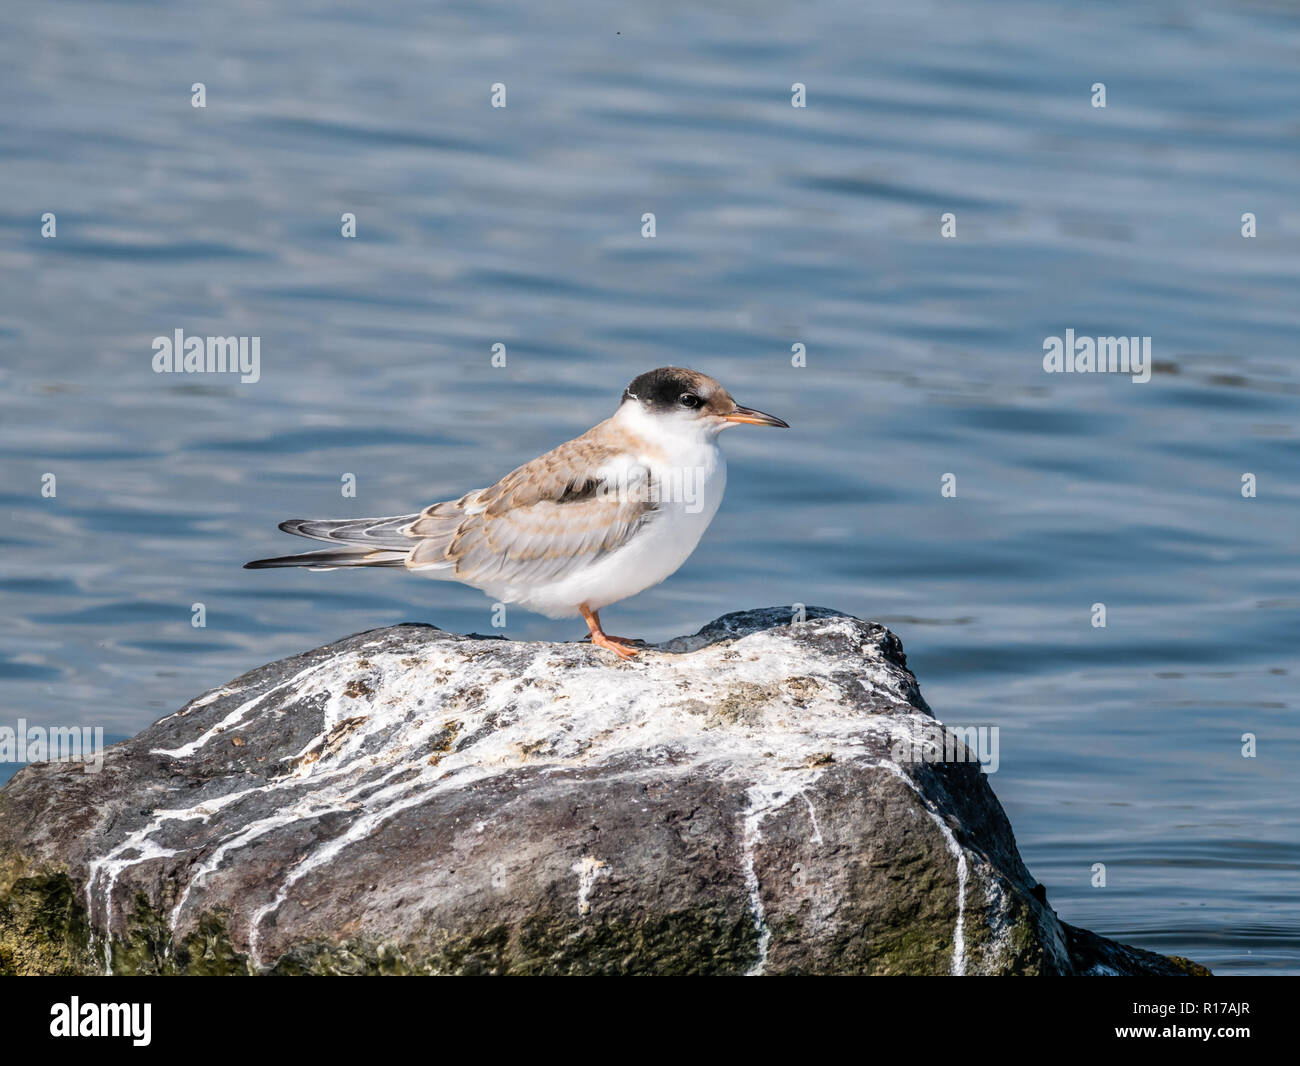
pixel 562 511
pixel 550 517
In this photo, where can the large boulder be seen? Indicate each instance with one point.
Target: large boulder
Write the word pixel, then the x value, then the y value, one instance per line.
pixel 414 801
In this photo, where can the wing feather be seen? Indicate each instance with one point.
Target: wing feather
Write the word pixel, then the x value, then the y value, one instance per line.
pixel 564 509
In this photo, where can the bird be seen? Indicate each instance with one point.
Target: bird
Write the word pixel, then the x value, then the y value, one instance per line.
pixel 591 522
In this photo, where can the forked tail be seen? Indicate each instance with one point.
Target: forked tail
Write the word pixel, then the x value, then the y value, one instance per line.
pixel 360 542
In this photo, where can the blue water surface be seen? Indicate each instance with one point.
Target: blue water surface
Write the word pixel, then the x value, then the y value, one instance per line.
pixel 775 226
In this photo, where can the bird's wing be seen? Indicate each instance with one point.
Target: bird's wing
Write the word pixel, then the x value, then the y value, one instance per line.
pixel 561 511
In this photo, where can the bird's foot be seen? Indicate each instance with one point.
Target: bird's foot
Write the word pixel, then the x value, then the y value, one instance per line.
pixel 614 644
pixel 620 646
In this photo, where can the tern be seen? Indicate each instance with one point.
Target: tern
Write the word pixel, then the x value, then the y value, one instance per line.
pixel 594 521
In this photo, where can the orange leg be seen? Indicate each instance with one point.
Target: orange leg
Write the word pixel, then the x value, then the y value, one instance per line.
pixel 601 639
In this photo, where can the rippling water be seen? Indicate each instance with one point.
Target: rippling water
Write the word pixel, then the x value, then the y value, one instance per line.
pixel 775 226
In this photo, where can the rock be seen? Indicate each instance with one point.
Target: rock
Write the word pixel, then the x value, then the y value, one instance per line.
pixel 413 801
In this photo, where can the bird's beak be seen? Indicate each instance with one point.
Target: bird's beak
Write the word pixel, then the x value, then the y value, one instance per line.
pixel 754 418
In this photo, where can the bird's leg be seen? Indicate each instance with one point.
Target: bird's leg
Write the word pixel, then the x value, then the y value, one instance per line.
pixel 598 636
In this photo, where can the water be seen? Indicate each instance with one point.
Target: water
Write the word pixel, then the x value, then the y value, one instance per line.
pixel 775 226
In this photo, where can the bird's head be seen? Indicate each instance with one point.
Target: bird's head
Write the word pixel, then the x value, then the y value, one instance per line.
pixel 690 401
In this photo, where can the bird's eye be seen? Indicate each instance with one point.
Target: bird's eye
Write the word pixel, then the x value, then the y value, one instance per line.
pixel 688 399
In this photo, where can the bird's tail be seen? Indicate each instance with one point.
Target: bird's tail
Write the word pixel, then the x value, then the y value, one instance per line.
pixel 360 542
pixel 333 558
